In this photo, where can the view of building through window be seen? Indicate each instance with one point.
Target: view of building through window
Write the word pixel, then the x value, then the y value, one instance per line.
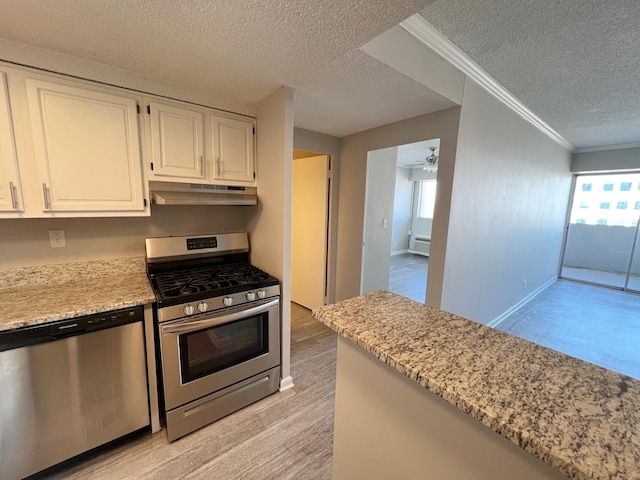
pixel 607 200
pixel 427 198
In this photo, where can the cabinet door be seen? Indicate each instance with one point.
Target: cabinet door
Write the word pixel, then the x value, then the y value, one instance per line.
pixel 176 141
pixel 10 192
pixel 87 148
pixel 233 149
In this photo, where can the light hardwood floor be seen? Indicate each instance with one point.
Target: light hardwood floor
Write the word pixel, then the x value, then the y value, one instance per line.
pixel 596 324
pixel 408 275
pixel 286 435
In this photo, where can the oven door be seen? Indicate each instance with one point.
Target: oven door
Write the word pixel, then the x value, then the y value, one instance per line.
pixel 211 351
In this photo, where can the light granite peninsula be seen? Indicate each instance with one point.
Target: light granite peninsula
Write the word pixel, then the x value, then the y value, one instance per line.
pixel 417 388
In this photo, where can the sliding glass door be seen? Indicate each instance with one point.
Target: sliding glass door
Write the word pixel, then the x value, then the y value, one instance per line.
pixel 602 244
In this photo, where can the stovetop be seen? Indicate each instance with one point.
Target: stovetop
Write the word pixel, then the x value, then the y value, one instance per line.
pixel 191 268
pixel 175 287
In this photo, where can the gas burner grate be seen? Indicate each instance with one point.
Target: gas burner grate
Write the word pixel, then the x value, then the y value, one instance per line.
pixel 183 283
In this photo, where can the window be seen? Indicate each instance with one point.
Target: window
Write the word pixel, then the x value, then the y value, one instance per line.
pixel 427 199
pixel 606 199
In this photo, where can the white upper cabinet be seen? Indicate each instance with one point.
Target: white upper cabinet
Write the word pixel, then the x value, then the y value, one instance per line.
pixel 233 146
pixel 86 148
pixel 177 142
pixel 10 188
pixel 192 144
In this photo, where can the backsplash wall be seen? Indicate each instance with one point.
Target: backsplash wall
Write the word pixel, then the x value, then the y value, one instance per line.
pixel 25 242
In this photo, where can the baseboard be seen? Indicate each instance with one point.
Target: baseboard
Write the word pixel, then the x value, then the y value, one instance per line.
pixel 496 321
pixel 399 252
pixel 286 383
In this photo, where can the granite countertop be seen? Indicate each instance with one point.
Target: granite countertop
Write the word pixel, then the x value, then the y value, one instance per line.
pixel 577 417
pixel 36 295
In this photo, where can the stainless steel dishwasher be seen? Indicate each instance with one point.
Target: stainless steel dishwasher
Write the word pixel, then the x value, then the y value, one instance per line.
pixel 70 386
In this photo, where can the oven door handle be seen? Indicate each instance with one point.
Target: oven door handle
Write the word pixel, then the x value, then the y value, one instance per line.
pixel 195 325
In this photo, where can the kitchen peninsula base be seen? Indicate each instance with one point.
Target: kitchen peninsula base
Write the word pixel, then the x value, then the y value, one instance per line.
pixel 388 426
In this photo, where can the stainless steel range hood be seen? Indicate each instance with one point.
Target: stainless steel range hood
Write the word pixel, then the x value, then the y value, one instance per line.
pixel 170 193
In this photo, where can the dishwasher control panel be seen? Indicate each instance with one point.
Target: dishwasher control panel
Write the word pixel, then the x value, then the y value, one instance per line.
pixel 47 332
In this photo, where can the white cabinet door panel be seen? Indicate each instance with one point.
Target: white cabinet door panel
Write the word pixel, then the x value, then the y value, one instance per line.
pixel 87 148
pixel 176 141
pixel 10 191
pixel 234 151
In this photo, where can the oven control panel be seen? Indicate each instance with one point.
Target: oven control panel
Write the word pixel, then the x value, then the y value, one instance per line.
pixel 201 243
pixel 215 304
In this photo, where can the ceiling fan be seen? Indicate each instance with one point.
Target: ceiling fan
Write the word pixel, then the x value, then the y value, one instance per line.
pixel 431 162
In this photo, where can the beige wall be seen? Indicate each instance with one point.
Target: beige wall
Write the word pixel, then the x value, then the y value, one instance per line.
pixel 510 195
pixel 25 242
pixel 443 125
pixel 270 229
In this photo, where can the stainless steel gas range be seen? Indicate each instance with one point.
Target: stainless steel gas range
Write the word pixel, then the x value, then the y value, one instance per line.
pixel 218 327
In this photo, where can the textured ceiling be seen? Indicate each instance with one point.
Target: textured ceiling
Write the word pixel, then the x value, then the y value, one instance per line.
pixel 574 63
pixel 241 50
pixel 416 153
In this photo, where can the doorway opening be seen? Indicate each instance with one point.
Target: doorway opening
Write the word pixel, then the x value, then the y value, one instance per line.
pixel 400 193
pixel 311 206
pixel 602 243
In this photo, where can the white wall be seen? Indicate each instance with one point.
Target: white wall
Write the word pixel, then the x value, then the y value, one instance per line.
pixel 605 160
pixel 401 211
pixel 443 125
pixel 510 195
pixel 378 218
pixel 270 229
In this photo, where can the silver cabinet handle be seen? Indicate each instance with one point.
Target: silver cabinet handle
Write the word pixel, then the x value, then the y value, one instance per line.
pixel 45 193
pixel 217 166
pixel 201 165
pixel 14 195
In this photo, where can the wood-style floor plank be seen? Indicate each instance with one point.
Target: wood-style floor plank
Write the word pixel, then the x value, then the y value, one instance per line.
pixel 408 275
pixel 596 324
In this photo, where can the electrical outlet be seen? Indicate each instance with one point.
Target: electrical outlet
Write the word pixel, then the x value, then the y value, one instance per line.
pixel 56 239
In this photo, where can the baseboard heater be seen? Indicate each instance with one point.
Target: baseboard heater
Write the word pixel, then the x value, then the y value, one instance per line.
pixel 421 245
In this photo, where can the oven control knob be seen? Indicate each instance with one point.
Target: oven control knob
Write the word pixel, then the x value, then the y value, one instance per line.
pixel 202 307
pixel 228 301
pixel 188 310
pixel 262 294
pixel 251 296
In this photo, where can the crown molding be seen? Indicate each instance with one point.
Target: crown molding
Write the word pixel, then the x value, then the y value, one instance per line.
pixel 426 34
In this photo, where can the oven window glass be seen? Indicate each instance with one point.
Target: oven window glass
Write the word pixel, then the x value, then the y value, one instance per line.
pixel 213 349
